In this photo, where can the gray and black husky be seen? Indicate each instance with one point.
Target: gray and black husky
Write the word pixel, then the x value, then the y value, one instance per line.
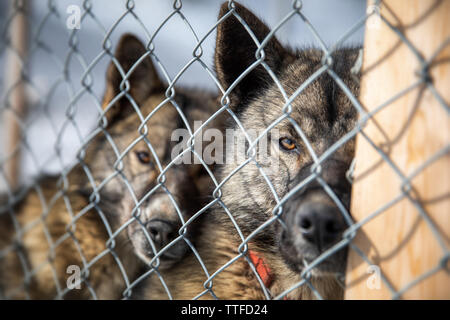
pixel 311 222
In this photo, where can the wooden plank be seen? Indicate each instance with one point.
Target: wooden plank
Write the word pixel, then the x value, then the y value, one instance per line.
pixel 410 130
pixel 17 98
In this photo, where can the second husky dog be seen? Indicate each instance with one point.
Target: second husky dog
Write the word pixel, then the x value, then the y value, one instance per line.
pixel 76 221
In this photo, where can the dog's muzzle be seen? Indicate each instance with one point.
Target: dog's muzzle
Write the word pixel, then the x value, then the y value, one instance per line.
pixel 314 222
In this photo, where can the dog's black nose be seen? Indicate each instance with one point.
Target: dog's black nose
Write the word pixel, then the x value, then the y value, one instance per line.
pixel 161 232
pixel 320 224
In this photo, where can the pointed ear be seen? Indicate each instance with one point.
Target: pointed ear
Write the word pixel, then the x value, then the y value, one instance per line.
pixel 236 51
pixel 143 80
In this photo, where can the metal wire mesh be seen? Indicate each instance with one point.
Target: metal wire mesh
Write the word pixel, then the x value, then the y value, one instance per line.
pixel 83 87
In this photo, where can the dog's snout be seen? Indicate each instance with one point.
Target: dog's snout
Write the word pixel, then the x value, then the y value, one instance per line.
pixel 161 232
pixel 320 224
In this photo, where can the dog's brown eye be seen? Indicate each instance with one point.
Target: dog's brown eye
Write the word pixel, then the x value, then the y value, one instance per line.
pixel 287 144
pixel 143 156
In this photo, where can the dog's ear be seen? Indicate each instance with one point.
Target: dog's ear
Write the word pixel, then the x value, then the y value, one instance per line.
pixel 236 51
pixel 143 80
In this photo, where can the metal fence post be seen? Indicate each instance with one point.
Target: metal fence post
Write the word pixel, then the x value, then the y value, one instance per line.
pixel 402 177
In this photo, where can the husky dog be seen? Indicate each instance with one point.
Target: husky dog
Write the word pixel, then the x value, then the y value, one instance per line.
pixel 311 222
pixel 76 221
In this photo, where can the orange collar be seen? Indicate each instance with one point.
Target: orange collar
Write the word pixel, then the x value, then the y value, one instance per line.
pixel 261 267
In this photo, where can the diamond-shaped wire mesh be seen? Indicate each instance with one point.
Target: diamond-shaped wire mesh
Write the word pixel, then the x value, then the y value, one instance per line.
pixel 48 223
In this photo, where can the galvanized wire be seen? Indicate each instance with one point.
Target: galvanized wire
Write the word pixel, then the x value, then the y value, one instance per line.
pixel 83 88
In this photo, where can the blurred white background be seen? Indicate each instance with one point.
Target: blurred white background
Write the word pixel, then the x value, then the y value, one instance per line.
pixel 49 98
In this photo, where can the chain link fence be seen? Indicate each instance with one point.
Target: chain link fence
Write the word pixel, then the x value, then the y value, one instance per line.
pixel 80 90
